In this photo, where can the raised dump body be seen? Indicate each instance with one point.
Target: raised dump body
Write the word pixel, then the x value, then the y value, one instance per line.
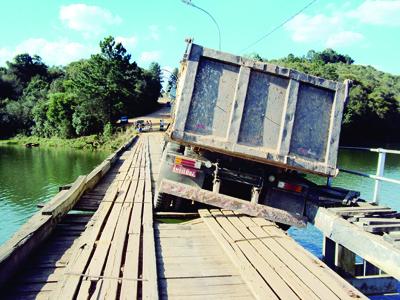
pixel 258 111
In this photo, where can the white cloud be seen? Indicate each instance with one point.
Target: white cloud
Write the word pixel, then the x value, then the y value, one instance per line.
pixel 343 38
pixel 127 42
pixel 328 30
pixel 335 30
pixel 154 33
pixel 91 20
pixel 378 12
pixel 59 52
pixel 305 28
pixel 5 54
pixel 148 56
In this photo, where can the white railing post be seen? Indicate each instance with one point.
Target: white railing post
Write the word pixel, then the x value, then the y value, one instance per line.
pixel 379 172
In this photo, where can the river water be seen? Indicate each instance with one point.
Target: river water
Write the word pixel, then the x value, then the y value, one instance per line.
pixel 29 176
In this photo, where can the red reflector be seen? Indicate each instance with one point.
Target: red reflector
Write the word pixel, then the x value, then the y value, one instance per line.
pixel 290 187
pixel 187 162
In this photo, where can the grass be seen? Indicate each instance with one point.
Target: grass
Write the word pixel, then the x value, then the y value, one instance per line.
pixel 91 142
pixel 173 221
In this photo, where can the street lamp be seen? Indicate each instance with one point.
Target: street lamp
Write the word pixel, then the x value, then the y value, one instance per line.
pixel 189 2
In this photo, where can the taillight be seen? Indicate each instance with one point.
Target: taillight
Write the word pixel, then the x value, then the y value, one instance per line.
pixel 290 187
pixel 190 163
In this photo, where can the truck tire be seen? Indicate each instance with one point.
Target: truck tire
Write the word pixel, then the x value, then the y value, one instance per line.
pixel 284 227
pixel 163 202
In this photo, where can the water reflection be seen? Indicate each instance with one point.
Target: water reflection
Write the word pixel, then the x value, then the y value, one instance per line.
pixel 29 176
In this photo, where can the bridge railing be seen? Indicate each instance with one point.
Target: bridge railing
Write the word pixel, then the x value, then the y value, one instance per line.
pixel 380 169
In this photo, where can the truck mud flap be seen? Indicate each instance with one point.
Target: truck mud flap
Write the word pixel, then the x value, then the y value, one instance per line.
pixel 223 201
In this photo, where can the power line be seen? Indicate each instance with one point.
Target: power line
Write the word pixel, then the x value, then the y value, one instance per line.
pixel 189 2
pixel 279 26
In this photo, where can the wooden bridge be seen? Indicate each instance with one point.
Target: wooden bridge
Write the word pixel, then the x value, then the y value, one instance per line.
pixel 99 240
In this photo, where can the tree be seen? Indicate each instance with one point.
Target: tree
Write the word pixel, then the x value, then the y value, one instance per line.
pixel 172 81
pixel 25 67
pixel 61 107
pixel 107 85
pixel 17 116
pixel 153 85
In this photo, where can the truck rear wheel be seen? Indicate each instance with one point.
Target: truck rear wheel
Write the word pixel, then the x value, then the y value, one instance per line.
pixel 166 202
pixel 163 202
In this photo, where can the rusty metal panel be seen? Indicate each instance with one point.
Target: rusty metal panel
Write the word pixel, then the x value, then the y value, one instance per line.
pixel 311 122
pixel 262 115
pixel 212 98
pixel 259 111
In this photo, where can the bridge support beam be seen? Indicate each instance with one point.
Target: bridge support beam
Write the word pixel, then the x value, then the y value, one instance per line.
pixel 370 247
pixel 374 284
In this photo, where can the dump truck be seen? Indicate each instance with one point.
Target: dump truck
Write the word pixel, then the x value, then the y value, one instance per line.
pixel 245 133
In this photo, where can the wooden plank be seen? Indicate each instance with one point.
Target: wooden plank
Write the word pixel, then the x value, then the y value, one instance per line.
pixel 98 260
pixel 176 215
pixel 277 284
pixel 285 244
pixel 257 285
pixel 378 221
pixel 115 255
pixel 79 260
pixel 193 193
pixel 258 239
pixel 358 208
pixel 150 287
pixel 382 228
pixel 129 289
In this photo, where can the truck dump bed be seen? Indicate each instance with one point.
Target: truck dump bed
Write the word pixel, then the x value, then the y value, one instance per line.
pixel 259 111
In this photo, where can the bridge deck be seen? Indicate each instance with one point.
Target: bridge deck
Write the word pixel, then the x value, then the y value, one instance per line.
pixel 114 249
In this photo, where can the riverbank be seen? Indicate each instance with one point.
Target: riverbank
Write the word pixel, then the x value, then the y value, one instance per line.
pixel 91 142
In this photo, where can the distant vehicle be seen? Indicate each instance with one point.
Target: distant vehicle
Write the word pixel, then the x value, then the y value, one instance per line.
pixel 139 122
pixel 124 120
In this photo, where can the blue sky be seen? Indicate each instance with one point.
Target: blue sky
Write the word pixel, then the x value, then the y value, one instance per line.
pixel 154 30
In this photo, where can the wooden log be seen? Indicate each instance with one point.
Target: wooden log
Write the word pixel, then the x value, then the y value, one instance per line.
pixel 15 252
pixel 369 246
pixel 59 206
pixel 223 201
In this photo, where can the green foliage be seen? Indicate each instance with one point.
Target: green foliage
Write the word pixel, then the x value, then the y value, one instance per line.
pixel 84 98
pixel 108 131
